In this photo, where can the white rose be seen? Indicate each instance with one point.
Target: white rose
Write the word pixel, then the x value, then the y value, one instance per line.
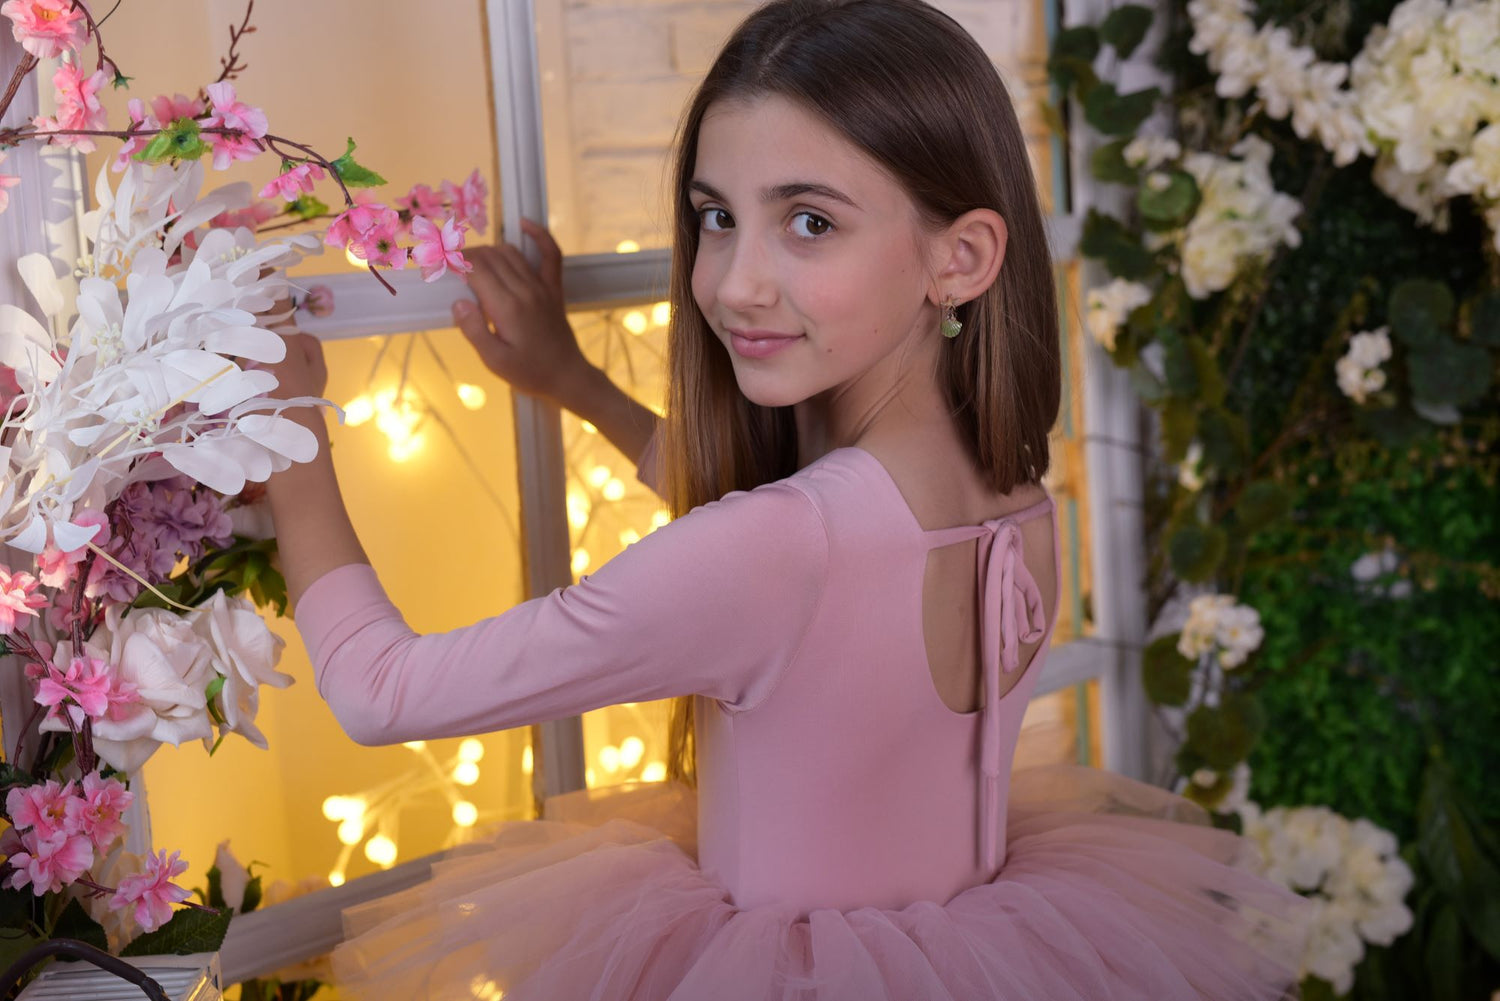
pixel 245 652
pixel 233 877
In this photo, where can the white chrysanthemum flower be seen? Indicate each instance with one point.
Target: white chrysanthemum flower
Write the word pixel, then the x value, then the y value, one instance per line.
pixel 1190 469
pixel 152 361
pixel 1241 220
pixel 1110 305
pixel 1358 372
pixel 1150 152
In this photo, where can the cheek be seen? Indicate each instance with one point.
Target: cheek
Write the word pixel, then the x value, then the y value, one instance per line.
pixel 705 281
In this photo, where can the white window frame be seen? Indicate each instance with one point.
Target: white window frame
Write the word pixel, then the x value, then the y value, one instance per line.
pixel 1113 447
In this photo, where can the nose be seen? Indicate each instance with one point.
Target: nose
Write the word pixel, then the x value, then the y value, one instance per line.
pixel 748 280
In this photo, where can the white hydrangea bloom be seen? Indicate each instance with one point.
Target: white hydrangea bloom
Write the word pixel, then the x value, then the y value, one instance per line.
pixel 1190 469
pixel 1358 371
pixel 1110 305
pixel 1217 623
pixel 1150 152
pixel 1242 219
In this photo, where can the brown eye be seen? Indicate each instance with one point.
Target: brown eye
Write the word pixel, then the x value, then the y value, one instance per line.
pixel 714 219
pixel 808 224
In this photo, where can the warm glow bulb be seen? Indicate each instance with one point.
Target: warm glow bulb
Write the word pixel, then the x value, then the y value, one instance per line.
pixel 590 778
pixel 635 322
pixel 613 490
pixel 609 757
pixel 352 830
pixel 659 519
pixel 358 410
pixel 625 247
pixel 466 773
pixel 414 745
pixel 381 850
pixel 336 878
pixel 661 314
pixel 588 428
pixel 629 537
pixel 471 750
pixel 471 396
pixel 578 509
pixel 527 761
pixel 632 749
pixel 465 813
pixel 580 560
pixel 600 475
pixel 355 261
pixel 343 807
pixel 655 771
pixel 400 451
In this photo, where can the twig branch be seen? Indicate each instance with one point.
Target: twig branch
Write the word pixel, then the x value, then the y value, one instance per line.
pixel 26 65
pixel 231 63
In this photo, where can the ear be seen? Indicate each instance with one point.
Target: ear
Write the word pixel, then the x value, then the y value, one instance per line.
pixel 969 253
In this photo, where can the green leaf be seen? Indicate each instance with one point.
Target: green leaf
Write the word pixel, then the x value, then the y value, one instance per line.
pixel 1116 114
pixel 1179 426
pixel 1393 427
pixel 1124 28
pixel 1072 56
pixel 1166 674
pixel 215 895
pixel 1196 550
pixel 1181 368
pixel 1225 440
pixel 211 694
pixel 1106 238
pixel 253 893
pixel 308 207
pixel 1172 203
pixel 13 945
pixel 1108 164
pixel 74 922
pixel 121 81
pixel 1420 311
pixel 1449 372
pixel 1224 735
pixel 1484 319
pixel 179 141
pixel 354 174
pixel 1261 503
pixel 190 930
pixel 1463 856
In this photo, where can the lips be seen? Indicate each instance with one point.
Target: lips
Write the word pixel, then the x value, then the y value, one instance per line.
pixel 760 343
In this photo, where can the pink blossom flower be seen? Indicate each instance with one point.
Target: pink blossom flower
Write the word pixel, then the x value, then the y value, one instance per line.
pixel 438 250
pixel 58 568
pixel 231 148
pixel 138 116
pixel 231 113
pixel 49 863
pixel 371 233
pixel 422 201
pixel 252 217
pixel 46 28
pixel 46 808
pixel 169 109
pixel 470 201
pixel 319 302
pixel 291 184
pixel 100 807
pixel 18 597
pixel 78 107
pixel 152 893
pixel 87 689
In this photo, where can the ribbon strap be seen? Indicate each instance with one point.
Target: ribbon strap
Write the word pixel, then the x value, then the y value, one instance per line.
pixel 1011 601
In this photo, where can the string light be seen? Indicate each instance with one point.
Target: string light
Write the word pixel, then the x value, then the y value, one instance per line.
pixel 580 560
pixel 588 428
pixel 527 762
pixel 466 773
pixel 414 745
pixel 578 509
pixel 338 808
pixel 352 830
pixel 613 490
pixel 629 537
pixel 609 757
pixel 660 518
pixel 661 314
pixel 401 451
pixel 336 878
pixel 656 771
pixel 465 814
pixel 632 749
pixel 359 410
pixel 471 396
pixel 355 261
pixel 635 322
pixel 381 850
pixel 600 475
pixel 470 750
pixel 623 247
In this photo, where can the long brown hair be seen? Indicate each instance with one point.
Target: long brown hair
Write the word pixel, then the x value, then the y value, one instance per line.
pixel 906 85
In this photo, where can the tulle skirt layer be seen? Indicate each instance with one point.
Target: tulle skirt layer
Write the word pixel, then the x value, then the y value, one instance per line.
pixel 1110 890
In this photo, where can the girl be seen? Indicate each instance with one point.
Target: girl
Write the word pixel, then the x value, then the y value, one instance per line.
pixel 864 367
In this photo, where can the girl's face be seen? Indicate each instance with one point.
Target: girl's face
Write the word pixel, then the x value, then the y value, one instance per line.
pixel 812 265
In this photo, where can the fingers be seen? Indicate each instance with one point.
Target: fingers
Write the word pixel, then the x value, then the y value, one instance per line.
pixel 476 330
pixel 550 269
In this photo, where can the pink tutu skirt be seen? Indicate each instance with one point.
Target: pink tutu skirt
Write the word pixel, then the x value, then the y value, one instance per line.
pixel 1111 890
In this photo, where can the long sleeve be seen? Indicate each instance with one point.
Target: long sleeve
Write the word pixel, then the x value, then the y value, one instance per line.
pixel 715 603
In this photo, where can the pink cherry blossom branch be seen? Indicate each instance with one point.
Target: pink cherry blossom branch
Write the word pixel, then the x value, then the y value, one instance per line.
pixel 26 65
pixel 79 6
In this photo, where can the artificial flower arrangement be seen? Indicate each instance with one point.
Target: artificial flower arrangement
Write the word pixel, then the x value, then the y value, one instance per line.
pixel 135 429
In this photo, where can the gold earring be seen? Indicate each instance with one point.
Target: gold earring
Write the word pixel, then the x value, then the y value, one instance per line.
pixel 950 325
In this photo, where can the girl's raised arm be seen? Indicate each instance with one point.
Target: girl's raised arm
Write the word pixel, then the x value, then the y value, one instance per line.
pixel 521 333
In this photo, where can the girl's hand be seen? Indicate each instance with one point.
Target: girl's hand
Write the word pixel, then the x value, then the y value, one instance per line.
pixel 520 328
pixel 303 372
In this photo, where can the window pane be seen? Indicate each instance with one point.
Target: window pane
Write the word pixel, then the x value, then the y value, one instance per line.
pixel 431 486
pixel 323 72
pixel 608 508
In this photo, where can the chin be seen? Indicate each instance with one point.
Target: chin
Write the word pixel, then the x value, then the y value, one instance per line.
pixel 765 393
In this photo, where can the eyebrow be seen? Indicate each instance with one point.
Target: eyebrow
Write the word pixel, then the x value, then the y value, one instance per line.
pixel 781 192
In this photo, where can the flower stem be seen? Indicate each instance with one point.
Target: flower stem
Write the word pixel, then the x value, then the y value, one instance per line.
pixel 26 65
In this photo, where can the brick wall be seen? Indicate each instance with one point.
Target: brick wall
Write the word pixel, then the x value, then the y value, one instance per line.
pixel 617 73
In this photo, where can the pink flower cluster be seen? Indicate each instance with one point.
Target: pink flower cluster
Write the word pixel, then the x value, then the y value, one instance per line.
pixel 86 689
pixel 374 232
pixel 164 111
pixel 78 107
pixel 46 28
pixel 18 597
pixel 152 893
pixel 156 524
pixel 58 828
